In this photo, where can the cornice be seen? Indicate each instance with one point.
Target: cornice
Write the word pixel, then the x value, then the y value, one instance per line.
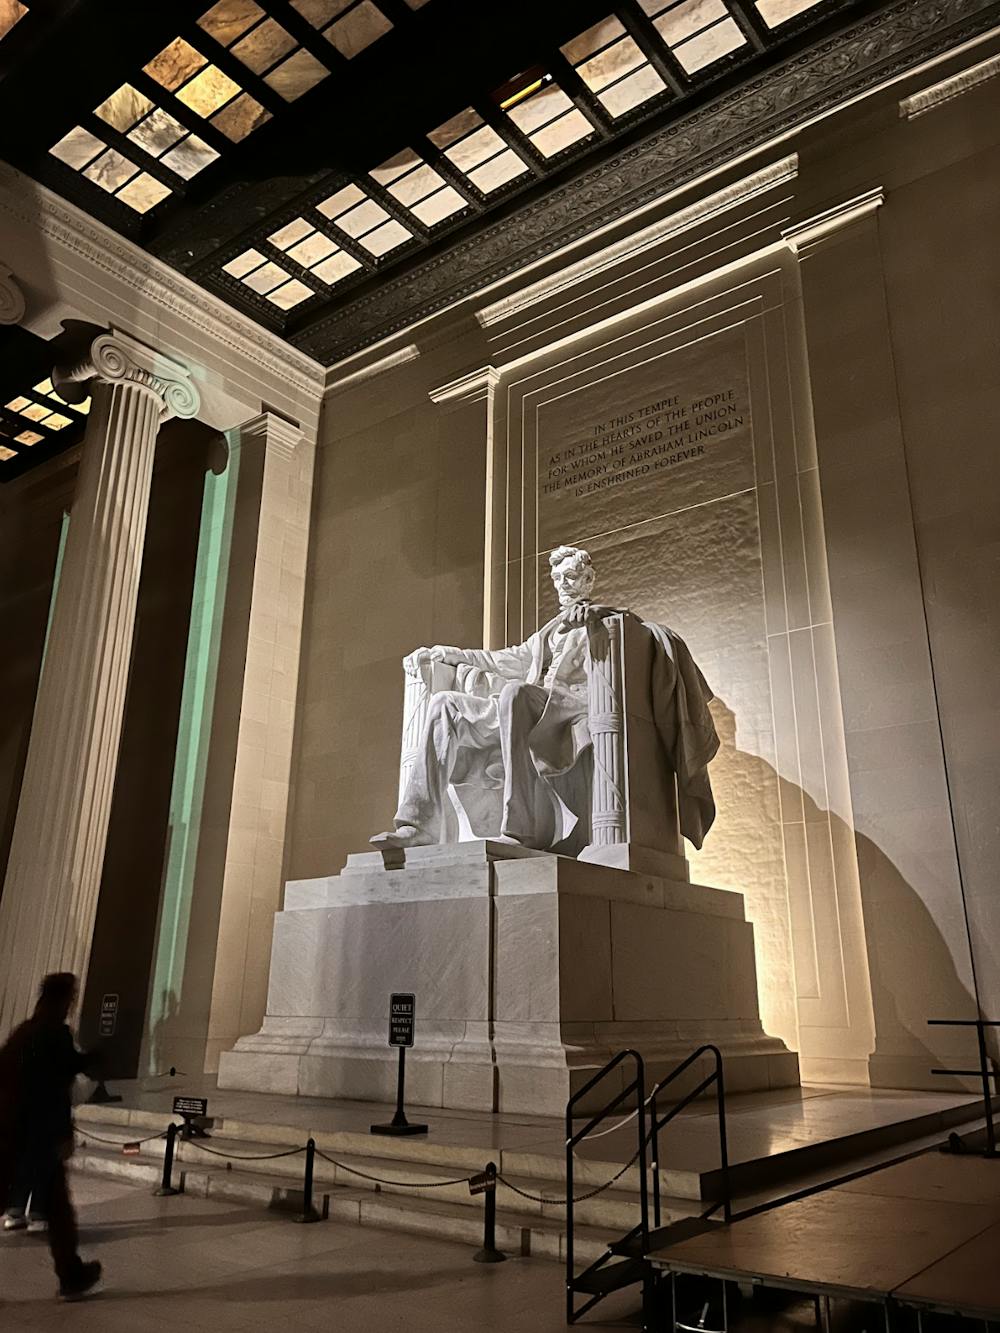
pixel 638 242
pixel 872 53
pixel 475 387
pixel 804 236
pixel 69 227
pixel 948 89
pixel 11 298
pixel 337 379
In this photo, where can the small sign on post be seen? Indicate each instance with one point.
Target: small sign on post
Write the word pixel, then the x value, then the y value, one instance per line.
pixel 192 1109
pixel 108 1021
pixel 402 1019
pixel 402 1024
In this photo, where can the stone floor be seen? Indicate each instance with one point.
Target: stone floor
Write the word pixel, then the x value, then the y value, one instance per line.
pixel 761 1125
pixel 198 1265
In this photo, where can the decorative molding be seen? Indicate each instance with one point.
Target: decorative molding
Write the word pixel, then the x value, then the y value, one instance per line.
pixel 44 213
pixel 803 236
pixel 948 89
pixel 871 54
pixel 639 242
pixel 117 358
pixel 336 382
pixel 475 387
pixel 11 298
pixel 281 438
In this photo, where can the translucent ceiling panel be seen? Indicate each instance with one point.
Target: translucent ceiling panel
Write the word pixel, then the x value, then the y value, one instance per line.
pixel 478 152
pixel 613 67
pixel 549 119
pixel 418 187
pixel 774 12
pixel 698 32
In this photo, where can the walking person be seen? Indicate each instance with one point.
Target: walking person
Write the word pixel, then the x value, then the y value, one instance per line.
pixel 38 1066
pixel 24 1209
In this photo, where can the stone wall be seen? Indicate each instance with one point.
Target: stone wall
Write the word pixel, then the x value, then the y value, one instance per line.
pixel 837 590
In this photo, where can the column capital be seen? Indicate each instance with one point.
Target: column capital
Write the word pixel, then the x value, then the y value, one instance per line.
pixel 279 436
pixel 117 358
pixel 11 298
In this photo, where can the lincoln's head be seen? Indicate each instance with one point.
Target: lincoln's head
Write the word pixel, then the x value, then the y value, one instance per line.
pixel 572 573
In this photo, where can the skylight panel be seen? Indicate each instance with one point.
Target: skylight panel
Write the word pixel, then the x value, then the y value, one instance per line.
pixel 547 116
pixel 367 222
pixel 39 414
pixel 313 250
pixel 478 152
pixel 698 32
pixel 272 281
pixel 10 12
pixel 613 67
pixel 111 169
pixel 206 90
pixel 156 132
pixel 349 25
pixel 6 453
pixel 267 49
pixel 417 186
pixel 775 12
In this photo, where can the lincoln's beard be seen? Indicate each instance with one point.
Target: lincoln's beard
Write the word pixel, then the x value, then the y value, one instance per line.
pixel 570 596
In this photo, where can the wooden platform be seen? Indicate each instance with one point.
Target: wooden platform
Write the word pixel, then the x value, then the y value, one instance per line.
pixel 924 1233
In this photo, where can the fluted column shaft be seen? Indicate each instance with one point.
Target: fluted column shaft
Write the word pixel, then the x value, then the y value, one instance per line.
pixel 49 901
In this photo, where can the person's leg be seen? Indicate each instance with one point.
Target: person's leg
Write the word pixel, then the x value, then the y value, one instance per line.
pixel 453 718
pixel 18 1193
pixel 519 706
pixel 37 1219
pixel 63 1235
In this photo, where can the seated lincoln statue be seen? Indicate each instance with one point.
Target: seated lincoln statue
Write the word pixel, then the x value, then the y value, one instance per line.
pixel 595 731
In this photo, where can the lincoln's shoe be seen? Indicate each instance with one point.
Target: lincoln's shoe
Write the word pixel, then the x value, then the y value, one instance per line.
pixel 15 1223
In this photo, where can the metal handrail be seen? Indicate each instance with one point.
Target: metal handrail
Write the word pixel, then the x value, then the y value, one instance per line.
pixel 984 1072
pixel 658 1122
pixel 638 1087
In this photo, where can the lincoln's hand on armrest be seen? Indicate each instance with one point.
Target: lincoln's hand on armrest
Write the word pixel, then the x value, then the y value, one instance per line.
pixel 423 656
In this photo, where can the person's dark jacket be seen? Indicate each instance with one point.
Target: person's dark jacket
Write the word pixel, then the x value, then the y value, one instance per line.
pixel 38 1065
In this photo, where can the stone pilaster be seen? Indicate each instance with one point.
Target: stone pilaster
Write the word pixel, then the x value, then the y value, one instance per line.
pixel 252 878
pixel 53 877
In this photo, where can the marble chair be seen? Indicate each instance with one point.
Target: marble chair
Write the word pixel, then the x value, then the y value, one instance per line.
pixel 622 791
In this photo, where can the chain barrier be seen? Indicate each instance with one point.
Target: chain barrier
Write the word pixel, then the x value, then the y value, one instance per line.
pixel 246 1157
pixel 399 1184
pixel 579 1198
pixel 115 1143
pixel 365 1175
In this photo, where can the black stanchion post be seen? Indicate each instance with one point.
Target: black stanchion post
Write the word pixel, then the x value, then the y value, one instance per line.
pixel 309 1213
pixel 487 1183
pixel 399 1123
pixel 165 1186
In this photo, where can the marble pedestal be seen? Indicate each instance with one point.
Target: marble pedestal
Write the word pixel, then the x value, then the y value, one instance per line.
pixel 530 970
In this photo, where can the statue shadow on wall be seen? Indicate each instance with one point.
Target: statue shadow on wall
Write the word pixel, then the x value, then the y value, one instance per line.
pixel 890 906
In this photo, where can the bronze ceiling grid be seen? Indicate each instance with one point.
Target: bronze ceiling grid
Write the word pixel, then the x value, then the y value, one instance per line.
pixel 384 103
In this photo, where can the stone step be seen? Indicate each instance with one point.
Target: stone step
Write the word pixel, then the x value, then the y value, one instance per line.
pixel 451 1159
pixel 616 1210
pixel 517 1233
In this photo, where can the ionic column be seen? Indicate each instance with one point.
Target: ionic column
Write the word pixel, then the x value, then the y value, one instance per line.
pixel 53 877
pixel 11 298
